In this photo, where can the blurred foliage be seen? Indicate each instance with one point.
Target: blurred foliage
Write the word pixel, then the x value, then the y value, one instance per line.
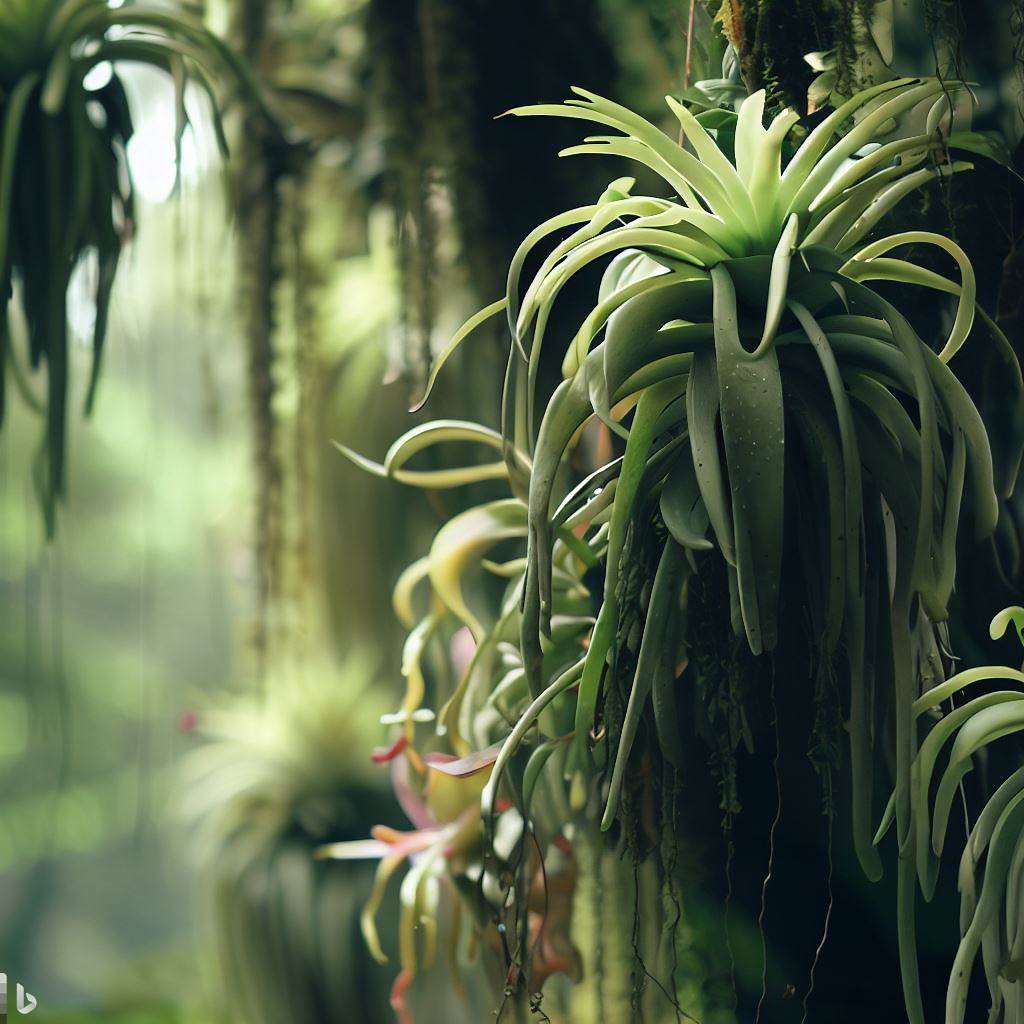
pixel 116 628
pixel 279 774
pixel 66 191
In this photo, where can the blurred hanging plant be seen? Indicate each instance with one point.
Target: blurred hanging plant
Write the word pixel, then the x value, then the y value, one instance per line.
pixel 861 56
pixel 276 776
pixel 847 38
pixel 737 326
pixel 65 184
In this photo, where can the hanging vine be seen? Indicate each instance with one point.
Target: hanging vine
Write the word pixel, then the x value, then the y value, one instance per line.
pixel 259 166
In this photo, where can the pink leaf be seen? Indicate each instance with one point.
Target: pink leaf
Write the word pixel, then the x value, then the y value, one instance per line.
pixel 410 802
pixel 460 767
pixel 381 755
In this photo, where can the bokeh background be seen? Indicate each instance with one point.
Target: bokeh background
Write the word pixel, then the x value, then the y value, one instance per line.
pixel 192 670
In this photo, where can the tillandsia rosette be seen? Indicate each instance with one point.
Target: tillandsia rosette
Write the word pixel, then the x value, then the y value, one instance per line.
pixel 65 184
pixel 778 420
pixel 275 776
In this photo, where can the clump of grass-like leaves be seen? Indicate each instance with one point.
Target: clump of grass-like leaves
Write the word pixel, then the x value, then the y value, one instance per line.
pixel 65 185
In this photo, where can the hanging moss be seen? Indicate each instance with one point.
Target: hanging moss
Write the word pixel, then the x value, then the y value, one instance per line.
pixel 944 25
pixel 725 674
pixel 404 88
pixel 772 37
pixel 441 73
pixel 257 171
pixel 302 568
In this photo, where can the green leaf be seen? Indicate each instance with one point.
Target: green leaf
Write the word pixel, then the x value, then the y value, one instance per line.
pixel 750 393
pixel 991 145
pixel 682 506
pixel 458 338
pixel 464 538
pixel 715 119
pixel 664 592
pixel 1001 622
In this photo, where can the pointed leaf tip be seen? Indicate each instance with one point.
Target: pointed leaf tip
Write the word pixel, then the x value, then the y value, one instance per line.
pixel 360 460
pixel 460 335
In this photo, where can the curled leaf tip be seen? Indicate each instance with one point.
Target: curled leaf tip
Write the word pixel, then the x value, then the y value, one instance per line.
pixel 1001 622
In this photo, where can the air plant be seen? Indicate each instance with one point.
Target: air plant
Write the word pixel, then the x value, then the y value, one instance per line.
pixel 274 778
pixel 459 603
pixel 65 185
pixel 442 850
pixel 990 866
pixel 738 325
pixel 529 862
